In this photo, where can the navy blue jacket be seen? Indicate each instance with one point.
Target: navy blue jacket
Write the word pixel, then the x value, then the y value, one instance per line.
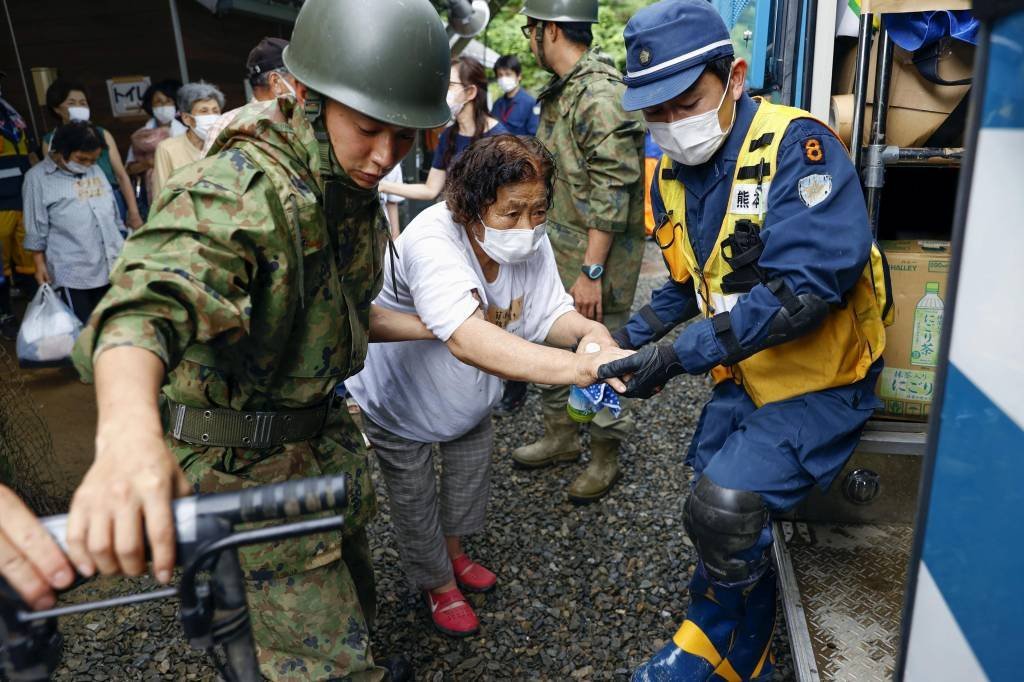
pixel 819 249
pixel 517 113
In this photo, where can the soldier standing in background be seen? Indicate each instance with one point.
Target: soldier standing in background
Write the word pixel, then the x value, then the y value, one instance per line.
pixel 596 221
pixel 242 303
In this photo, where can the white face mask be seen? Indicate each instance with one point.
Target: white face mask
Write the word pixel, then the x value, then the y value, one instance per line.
pixel 693 140
pixel 512 245
pixel 78 113
pixel 454 104
pixel 203 124
pixel 76 168
pixel 164 114
pixel 507 83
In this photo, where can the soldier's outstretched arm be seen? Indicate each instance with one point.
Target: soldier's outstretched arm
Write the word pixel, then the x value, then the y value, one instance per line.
pixel 30 560
pixel 126 495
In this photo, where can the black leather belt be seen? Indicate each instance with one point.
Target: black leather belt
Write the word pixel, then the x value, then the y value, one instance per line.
pixel 235 429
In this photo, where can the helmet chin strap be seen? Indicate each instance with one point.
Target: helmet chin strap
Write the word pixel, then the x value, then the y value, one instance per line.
pixel 539 41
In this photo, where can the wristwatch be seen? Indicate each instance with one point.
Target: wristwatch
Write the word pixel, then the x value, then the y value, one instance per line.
pixel 593 271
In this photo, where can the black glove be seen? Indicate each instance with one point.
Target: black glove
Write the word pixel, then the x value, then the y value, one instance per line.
pixel 621 337
pixel 651 368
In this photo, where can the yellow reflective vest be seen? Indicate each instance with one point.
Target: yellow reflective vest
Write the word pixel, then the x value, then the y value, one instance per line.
pixel 852 337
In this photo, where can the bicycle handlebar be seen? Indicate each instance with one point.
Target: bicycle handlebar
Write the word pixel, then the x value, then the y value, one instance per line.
pixel 273 502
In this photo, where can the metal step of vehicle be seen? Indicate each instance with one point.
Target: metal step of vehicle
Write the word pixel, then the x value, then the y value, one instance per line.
pixel 842 592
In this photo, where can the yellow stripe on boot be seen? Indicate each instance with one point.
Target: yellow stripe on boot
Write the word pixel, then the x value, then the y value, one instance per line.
pixel 691 639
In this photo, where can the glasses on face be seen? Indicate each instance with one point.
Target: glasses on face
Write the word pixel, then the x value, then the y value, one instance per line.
pixel 528 31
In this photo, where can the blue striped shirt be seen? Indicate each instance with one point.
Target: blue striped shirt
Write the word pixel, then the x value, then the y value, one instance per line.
pixel 74 220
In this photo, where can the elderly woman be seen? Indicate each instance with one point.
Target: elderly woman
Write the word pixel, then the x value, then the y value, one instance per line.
pixel 200 105
pixel 72 227
pixel 67 101
pixel 479 271
pixel 159 102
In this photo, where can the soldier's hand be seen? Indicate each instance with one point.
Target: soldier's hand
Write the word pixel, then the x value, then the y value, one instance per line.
pixel 646 372
pixel 587 365
pixel 128 489
pixel 586 295
pixel 30 560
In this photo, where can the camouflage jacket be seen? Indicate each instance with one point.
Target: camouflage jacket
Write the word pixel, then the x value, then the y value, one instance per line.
pixel 249 297
pixel 598 150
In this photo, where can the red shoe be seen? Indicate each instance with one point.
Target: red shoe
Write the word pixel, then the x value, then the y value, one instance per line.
pixel 452 614
pixel 471 576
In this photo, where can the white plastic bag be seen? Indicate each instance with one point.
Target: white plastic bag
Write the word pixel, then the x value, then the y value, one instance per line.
pixel 48 331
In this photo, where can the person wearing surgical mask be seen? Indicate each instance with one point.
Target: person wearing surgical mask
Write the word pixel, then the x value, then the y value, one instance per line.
pixel 762 223
pixel 159 102
pixel 467 99
pixel 479 271
pixel 516 108
pixel 67 101
pixel 200 105
pixel 72 227
pixel 268 78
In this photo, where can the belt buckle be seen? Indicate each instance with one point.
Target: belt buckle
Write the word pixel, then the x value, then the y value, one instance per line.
pixel 262 430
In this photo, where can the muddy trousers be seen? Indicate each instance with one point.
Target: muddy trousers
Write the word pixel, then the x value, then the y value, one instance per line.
pixel 339 598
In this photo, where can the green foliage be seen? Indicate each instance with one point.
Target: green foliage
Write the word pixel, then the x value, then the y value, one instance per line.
pixel 504 36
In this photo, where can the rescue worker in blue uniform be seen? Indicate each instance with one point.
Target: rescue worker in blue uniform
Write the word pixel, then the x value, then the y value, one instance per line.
pixel 762 223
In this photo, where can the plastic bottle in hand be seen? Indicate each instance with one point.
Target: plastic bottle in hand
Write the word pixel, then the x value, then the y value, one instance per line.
pixel 580 408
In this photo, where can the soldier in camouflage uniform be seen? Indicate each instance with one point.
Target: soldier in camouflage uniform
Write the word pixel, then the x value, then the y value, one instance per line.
pixel 251 287
pixel 596 221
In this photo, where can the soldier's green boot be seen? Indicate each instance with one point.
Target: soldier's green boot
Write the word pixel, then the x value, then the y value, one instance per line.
pixel 561 443
pixel 599 476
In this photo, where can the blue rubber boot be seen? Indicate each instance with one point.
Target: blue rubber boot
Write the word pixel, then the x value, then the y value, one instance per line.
pixel 726 635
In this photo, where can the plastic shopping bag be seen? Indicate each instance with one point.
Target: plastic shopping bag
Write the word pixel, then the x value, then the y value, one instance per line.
pixel 48 331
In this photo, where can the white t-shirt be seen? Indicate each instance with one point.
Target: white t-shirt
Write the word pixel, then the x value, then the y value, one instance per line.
pixel 418 389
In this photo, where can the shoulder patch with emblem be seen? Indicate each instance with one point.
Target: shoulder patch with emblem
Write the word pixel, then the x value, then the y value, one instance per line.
pixel 814 153
pixel 814 189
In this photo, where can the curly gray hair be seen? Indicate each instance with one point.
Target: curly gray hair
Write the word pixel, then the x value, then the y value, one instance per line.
pixel 190 93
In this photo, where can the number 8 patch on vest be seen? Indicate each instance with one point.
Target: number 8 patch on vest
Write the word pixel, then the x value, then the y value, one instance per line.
pixel 814 189
pixel 814 153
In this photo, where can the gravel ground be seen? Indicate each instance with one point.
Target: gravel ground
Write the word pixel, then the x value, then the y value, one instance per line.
pixel 584 593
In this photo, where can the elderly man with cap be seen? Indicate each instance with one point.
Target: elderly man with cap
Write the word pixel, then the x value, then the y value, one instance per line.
pixel 268 77
pixel 596 221
pixel 764 231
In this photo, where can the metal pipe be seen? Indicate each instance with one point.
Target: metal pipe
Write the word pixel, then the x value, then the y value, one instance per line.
pixel 21 72
pixel 179 42
pixel 879 115
pixel 860 88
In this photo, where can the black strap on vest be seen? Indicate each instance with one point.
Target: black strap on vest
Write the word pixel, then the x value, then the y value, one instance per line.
pixel 762 141
pixel 757 172
pixel 742 250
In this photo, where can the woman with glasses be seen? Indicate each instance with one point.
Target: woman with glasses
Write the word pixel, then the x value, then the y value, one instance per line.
pixel 467 98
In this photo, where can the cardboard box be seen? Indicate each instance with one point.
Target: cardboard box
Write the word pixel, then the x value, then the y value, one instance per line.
pixel 917 107
pixel 918 270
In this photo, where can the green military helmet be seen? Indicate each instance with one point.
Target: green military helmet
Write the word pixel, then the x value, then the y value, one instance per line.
pixel 561 10
pixel 387 59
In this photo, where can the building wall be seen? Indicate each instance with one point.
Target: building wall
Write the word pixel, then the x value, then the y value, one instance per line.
pixel 100 39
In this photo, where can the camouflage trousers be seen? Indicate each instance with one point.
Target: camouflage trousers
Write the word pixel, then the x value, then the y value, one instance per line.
pixel 604 425
pixel 311 599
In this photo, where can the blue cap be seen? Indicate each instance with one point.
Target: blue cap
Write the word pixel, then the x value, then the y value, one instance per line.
pixel 668 44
